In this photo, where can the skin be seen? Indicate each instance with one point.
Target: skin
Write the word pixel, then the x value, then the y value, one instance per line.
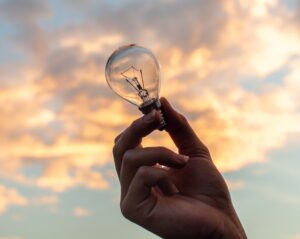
pixel 186 199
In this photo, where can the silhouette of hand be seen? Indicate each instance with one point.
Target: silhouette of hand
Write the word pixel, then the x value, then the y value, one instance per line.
pixel 186 199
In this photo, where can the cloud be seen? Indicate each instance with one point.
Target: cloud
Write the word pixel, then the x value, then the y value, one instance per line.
pixel 10 197
pixel 25 17
pixel 291 81
pixel 32 39
pixel 58 176
pixel 90 46
pixel 20 11
pixel 153 18
pixel 81 212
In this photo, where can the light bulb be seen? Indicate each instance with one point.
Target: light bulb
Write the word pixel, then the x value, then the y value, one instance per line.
pixel 133 73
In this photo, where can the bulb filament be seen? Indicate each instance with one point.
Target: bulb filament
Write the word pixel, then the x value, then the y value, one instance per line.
pixel 134 82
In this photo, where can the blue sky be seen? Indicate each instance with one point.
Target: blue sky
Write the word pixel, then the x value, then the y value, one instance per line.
pixel 237 61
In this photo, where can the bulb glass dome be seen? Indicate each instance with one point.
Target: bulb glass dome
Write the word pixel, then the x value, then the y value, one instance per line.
pixel 133 72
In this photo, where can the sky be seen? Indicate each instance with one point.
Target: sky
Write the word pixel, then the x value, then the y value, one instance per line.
pixel 232 67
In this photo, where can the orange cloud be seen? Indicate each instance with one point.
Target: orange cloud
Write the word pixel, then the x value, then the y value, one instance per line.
pixel 81 212
pixel 94 45
pixel 10 197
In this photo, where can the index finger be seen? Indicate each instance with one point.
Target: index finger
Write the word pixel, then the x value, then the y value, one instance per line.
pixel 133 135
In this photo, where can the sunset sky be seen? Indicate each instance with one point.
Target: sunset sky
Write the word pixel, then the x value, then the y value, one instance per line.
pixel 231 66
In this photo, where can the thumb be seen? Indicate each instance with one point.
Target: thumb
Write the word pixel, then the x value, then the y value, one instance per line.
pixel 181 132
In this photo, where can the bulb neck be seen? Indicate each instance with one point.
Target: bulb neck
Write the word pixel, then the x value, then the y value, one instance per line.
pixel 154 104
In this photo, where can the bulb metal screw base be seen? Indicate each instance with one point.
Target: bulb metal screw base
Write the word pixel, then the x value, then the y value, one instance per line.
pixel 154 104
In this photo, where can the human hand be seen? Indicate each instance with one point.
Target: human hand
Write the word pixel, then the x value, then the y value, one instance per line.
pixel 188 198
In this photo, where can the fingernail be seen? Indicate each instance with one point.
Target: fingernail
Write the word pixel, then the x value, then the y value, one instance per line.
pixel 184 158
pixel 150 116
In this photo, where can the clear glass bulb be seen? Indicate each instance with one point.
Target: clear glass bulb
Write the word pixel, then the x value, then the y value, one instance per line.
pixel 133 72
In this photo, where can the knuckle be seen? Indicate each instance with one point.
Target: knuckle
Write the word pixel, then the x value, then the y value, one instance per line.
pixel 142 172
pixel 163 151
pixel 125 210
pixel 183 118
pixel 115 150
pixel 128 157
pixel 204 151
pixel 117 138
pixel 205 148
